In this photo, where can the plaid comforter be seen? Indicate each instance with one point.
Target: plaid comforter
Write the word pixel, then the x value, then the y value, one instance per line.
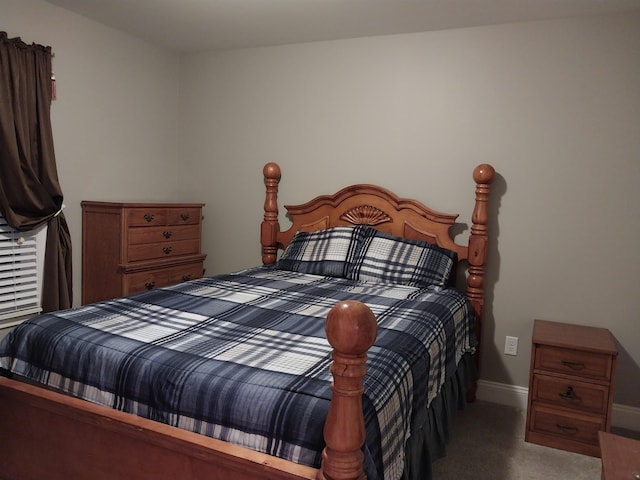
pixel 243 357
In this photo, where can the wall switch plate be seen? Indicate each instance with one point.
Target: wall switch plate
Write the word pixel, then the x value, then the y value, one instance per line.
pixel 511 346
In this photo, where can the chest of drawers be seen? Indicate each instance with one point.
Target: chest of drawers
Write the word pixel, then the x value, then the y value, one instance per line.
pixel 131 247
pixel 570 386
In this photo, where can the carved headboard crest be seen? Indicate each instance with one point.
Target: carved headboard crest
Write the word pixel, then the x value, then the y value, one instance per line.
pixel 365 215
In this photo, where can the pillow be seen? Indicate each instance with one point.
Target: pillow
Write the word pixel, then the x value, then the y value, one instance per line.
pixel 388 258
pixel 328 252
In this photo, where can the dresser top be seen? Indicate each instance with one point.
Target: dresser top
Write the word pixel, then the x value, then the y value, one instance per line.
pixel 567 335
pixel 91 203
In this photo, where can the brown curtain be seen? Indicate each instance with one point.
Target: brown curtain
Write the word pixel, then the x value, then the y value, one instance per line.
pixel 30 193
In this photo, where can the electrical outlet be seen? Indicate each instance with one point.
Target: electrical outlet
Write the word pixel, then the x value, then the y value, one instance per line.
pixel 511 346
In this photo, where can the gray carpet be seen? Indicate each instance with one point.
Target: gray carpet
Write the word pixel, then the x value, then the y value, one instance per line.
pixel 488 444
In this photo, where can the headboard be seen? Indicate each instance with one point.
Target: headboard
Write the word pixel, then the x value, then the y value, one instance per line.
pixel 384 210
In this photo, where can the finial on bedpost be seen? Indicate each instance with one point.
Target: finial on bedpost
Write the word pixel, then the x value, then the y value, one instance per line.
pixel 351 329
pixel 270 226
pixel 483 175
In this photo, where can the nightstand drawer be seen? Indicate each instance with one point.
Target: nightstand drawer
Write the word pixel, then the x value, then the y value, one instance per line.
pixel 571 393
pixel 573 362
pixel 574 427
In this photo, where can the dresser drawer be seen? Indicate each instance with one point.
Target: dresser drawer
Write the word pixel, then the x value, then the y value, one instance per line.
pixel 183 216
pixel 146 217
pixel 573 362
pixel 571 393
pixel 151 251
pixel 574 427
pixel 167 233
pixel 148 280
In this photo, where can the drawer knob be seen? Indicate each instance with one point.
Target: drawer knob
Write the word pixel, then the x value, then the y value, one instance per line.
pixel 570 394
pixel 167 234
pixel 167 250
pixel 184 216
pixel 149 217
pixel 150 285
pixel 573 365
pixel 186 278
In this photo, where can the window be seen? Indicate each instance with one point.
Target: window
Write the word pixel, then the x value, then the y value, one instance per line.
pixel 21 263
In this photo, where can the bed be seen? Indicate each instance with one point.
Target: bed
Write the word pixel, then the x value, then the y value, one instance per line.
pixel 234 374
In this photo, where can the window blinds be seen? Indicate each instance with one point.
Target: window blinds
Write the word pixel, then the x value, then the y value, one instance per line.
pixel 21 257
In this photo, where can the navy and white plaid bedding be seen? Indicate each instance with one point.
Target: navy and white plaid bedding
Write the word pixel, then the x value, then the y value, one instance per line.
pixel 388 258
pixel 329 252
pixel 243 357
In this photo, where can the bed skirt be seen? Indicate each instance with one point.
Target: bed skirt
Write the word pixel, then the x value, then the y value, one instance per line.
pixel 428 443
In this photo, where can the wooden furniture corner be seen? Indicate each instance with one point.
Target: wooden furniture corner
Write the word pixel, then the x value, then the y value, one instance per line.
pixel 620 457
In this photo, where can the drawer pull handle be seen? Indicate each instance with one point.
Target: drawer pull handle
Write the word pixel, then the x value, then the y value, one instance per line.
pixel 167 250
pixel 167 234
pixel 573 365
pixel 567 428
pixel 184 216
pixel 149 217
pixel 186 278
pixel 570 394
pixel 150 285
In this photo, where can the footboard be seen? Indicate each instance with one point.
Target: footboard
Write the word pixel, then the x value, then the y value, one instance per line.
pixel 49 435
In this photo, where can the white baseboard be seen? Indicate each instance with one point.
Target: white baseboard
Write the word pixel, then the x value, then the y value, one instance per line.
pixel 502 394
pixel 623 416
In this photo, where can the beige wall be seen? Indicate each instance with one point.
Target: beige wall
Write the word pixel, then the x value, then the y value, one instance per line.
pixel 553 105
pixel 114 122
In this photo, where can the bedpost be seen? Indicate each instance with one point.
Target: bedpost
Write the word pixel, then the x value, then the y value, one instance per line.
pixel 270 226
pixel 351 329
pixel 483 175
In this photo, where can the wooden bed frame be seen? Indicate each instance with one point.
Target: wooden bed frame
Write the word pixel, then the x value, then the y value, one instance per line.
pixel 49 435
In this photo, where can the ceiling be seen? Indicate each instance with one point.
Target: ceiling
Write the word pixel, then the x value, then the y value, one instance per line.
pixel 201 25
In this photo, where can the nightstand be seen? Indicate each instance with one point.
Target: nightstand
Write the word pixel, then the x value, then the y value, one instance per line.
pixel 570 386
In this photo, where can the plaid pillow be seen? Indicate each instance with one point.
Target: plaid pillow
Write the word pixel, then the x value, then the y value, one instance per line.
pixel 388 258
pixel 327 252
